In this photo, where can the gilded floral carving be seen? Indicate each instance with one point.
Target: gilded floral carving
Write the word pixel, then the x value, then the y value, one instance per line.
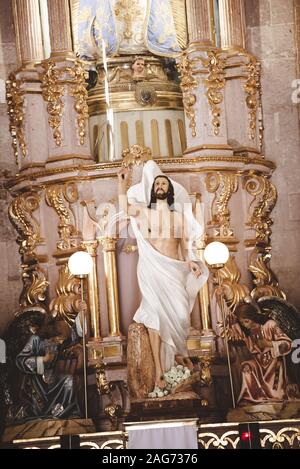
pixel 15 103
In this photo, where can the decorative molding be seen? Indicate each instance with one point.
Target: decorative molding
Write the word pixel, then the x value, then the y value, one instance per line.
pixel 60 198
pixel 187 84
pixel 15 103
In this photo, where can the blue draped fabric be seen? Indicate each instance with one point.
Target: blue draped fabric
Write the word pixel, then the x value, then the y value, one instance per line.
pixel 161 32
pixel 97 28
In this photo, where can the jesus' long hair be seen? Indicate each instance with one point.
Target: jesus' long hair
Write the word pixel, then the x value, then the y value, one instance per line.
pixel 170 194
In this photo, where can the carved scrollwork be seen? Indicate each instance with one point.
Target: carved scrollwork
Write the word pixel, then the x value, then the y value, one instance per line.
pixel 67 303
pixel 223 186
pixel 233 291
pixel 264 195
pixel 187 84
pixel 252 87
pixel 34 285
pixel 15 103
pixel 60 199
pixel 211 440
pixel 265 281
pixel 21 216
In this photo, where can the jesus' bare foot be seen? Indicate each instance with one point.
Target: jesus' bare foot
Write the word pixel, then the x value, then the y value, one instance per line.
pixel 160 382
pixel 188 363
pixel 179 360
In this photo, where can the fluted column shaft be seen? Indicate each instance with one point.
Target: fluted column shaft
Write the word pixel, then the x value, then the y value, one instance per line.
pixel 59 26
pixel 232 24
pixel 110 267
pixel 200 22
pixel 91 247
pixel 28 30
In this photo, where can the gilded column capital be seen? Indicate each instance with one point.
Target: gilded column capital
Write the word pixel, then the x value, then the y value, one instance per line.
pixel 91 247
pixel 108 244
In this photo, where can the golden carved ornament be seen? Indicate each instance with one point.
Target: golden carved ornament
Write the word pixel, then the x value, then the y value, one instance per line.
pixel 127 11
pixel 113 411
pixel 135 156
pixel 206 378
pixel 260 113
pixel 15 103
pixel 53 92
pixel 101 380
pixel 130 248
pixel 187 84
pixel 233 291
pixel 21 216
pixel 264 195
pixel 215 84
pixel 78 90
pixel 34 285
pixel 252 87
pixel 210 440
pixel 223 186
pixel 67 303
pixel 54 82
pixel 60 198
pixel 265 281
pixel 145 94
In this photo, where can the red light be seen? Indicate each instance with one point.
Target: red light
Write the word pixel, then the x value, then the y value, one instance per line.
pixel 246 436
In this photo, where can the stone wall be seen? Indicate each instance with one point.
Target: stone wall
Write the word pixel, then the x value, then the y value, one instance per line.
pixel 272 38
pixel 10 280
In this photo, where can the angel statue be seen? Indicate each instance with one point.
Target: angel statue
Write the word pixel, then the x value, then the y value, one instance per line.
pixel 267 328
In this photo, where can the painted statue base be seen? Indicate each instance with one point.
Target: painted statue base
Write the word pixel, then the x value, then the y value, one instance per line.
pixel 267 411
pixel 47 428
pixel 185 404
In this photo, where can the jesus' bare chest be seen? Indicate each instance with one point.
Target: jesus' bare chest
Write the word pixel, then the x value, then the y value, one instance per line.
pixel 159 224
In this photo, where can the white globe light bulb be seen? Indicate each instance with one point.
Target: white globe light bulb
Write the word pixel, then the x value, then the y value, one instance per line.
pixel 216 253
pixel 80 263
